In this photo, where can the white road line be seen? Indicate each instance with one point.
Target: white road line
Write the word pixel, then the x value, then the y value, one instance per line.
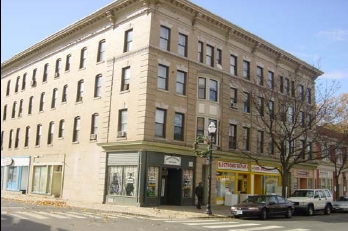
pixel 228 226
pixel 183 221
pixel 211 223
pixel 18 216
pixel 55 215
pixel 93 215
pixel 33 214
pixel 297 230
pixel 71 215
pixel 258 228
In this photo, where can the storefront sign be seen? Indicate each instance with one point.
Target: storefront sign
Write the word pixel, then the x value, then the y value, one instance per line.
pixel 232 166
pixel 323 174
pixel 172 160
pixel 302 173
pixel 265 169
pixel 6 161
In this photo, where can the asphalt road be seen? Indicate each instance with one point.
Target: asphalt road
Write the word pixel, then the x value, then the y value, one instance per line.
pixel 19 216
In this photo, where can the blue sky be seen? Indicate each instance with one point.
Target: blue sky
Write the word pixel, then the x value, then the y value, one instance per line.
pixel 315 31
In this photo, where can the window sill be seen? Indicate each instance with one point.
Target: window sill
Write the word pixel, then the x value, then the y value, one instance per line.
pixel 124 92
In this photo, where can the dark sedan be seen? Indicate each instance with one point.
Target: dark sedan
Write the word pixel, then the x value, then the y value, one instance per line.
pixel 263 206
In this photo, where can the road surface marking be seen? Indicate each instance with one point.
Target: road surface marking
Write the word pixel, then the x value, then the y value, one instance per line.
pixel 258 228
pixel 34 215
pixel 228 226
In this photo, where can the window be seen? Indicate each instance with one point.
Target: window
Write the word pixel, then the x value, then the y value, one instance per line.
pixel 30 106
pixel 270 146
pixel 61 129
pixel 181 82
pixel 94 124
pixel 209 56
pixel 27 136
pixel 301 92
pixel 58 66
pixel 270 80
pixel 33 78
pixel 122 180
pixel 260 141
pixel 165 38
pixel 200 126
pixel 50 133
pixel 24 81
pixel 97 86
pixel 179 126
pixel 233 96
pixel 38 134
pixel 101 51
pixel 45 73
pixel 213 91
pixel 83 57
pixel 283 113
pixel 287 86
pixel 246 69
pixel 302 149
pixel 232 136
pixel 281 84
pixel 80 87
pixel 76 130
pixel 309 121
pixel 309 96
pixel 261 106
pixel 8 88
pixel 17 84
pixel 246 107
pixel 292 88
pixel 182 45
pixel 309 151
pixel 160 122
pixel 301 119
pixel 54 98
pixel 14 109
pixel 10 139
pixel 246 138
pixel 259 75
pixel 17 137
pixel 20 109
pixel 200 51
pixel 65 93
pixel 128 40
pixel 125 79
pixel 2 142
pixel 122 124
pixel 162 80
pixel 219 56
pixel 233 65
pixel 201 88
pixel 4 115
pixel 291 118
pixel 42 101
pixel 67 62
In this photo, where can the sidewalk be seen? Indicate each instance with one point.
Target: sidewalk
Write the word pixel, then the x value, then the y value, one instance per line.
pixel 160 212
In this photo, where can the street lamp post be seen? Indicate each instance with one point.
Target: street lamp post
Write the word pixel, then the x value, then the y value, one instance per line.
pixel 211 131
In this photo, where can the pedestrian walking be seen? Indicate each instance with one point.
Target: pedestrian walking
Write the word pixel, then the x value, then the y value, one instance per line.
pixel 199 193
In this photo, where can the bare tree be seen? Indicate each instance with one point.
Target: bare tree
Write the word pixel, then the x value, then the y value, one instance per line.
pixel 286 114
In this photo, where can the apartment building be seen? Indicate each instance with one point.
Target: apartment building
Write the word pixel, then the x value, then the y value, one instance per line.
pixel 107 109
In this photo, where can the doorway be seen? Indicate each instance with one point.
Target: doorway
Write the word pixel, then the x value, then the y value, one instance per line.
pixel 171 186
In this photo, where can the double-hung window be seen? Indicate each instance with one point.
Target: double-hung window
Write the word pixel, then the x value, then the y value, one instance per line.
pixel 162 80
pixel 165 38
pixel 182 45
pixel 160 122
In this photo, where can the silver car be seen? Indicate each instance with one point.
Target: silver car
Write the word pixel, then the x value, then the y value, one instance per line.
pixel 341 204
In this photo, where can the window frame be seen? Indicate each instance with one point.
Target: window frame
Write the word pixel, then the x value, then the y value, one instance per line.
pixel 128 40
pixel 165 38
pixel 160 122
pixel 182 45
pixel 179 125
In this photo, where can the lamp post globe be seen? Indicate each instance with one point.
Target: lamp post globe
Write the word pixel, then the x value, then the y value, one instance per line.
pixel 211 131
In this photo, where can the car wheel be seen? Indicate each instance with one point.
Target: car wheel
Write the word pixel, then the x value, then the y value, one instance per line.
pixel 327 210
pixel 288 213
pixel 263 214
pixel 310 210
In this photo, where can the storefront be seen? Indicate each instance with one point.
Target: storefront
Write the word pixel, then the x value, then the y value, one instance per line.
pixel 149 179
pixel 302 179
pixel 15 173
pixel 244 179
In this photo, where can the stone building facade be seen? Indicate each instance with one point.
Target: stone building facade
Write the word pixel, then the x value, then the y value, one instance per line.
pixel 107 109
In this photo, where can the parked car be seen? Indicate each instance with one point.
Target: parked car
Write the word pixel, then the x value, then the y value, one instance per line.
pixel 310 200
pixel 263 206
pixel 341 204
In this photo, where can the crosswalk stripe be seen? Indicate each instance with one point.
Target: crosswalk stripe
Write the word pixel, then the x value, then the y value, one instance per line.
pixel 54 215
pixel 183 221
pixel 16 215
pixel 297 230
pixel 258 228
pixel 71 215
pixel 211 223
pixel 33 214
pixel 229 226
pixel 93 215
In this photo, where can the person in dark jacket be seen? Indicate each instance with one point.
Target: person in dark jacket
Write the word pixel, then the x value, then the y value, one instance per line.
pixel 199 193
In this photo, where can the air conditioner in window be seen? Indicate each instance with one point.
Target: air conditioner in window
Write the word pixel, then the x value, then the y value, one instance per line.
pixel 93 136
pixel 56 74
pixel 122 134
pixel 234 105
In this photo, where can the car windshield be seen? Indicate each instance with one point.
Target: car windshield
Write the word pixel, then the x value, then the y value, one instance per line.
pixel 257 199
pixel 303 193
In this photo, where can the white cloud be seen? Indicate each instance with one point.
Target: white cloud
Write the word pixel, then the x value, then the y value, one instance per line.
pixel 334 35
pixel 335 75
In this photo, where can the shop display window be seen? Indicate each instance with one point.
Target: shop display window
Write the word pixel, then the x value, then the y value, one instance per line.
pixel 225 183
pixel 187 183
pixel 152 182
pixel 122 181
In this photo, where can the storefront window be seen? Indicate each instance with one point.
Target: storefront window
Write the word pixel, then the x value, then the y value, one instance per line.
pixel 187 183
pixel 225 183
pixel 13 178
pixel 122 181
pixel 269 184
pixel 2 175
pixel 152 182
pixel 42 179
pixel 326 183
